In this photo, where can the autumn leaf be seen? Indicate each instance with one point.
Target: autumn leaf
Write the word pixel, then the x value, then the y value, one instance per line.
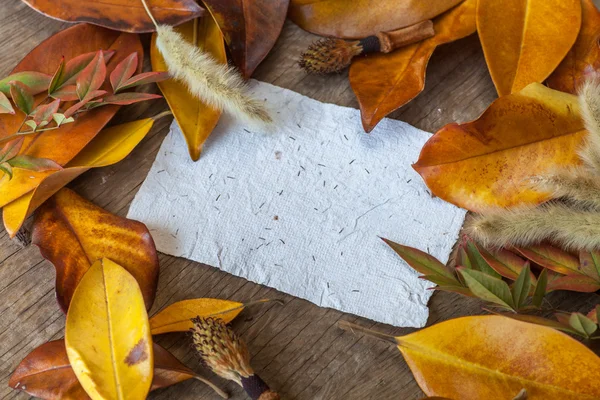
pixel 91 77
pixel 123 71
pixel 489 162
pixel 488 288
pixel 177 316
pixel 22 96
pixel 72 233
pixel 61 145
pixel 195 118
pixel 250 28
pixel 361 18
pixel 124 99
pixel 493 357
pixel 107 334
pixel 43 114
pixel 6 106
pixel 46 373
pixel 523 42
pixel 504 262
pixel 552 258
pixel 121 15
pixel 67 73
pixel 400 75
pixel 584 56
pixel 109 147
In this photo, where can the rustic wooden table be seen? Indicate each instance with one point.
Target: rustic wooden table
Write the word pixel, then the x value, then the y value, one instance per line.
pixel 296 347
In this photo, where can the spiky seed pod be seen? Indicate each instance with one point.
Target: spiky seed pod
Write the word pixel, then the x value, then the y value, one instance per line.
pixel 222 350
pixel 216 84
pixel 589 100
pixel 329 55
pixel 573 228
pixel 576 185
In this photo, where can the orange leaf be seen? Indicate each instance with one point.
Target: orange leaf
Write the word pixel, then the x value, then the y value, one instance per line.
pixel 494 357
pixel 195 118
pixel 73 233
pixel 524 41
pixel 250 28
pixel 489 161
pixel 362 18
pixel 177 316
pixel 109 147
pixel 552 258
pixel 584 56
pixel 121 15
pixel 383 83
pixel 62 144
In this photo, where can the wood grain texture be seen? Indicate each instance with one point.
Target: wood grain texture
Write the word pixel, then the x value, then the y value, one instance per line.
pixel 297 348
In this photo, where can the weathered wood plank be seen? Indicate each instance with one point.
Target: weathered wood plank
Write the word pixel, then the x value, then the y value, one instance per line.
pixel 296 347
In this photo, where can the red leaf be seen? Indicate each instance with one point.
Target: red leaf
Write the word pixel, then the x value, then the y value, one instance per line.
pixel 124 99
pixel 91 77
pixel 34 163
pixel 506 263
pixel 89 97
pixel 11 149
pixel 22 96
pixel 66 93
pixel 574 283
pixel 552 258
pixel 43 114
pixel 123 71
pixel 5 105
pixel 77 64
pixel 142 79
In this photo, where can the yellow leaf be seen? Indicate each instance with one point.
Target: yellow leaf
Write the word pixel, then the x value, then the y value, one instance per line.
pixel 195 118
pixel 494 357
pixel 525 40
pixel 109 147
pixel 177 317
pixel 107 335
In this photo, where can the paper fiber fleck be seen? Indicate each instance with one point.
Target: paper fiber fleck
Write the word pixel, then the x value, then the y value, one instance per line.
pixel 301 208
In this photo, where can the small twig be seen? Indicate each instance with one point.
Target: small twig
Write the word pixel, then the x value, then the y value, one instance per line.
pixel 162 114
pixel 348 326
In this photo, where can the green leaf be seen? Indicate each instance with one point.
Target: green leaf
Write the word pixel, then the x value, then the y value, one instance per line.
pixel 590 263
pixel 540 288
pixel 504 262
pixel 35 81
pixel 34 163
pixel 488 288
pixel 521 287
pixel 478 261
pixel 6 168
pixel 463 259
pixel 421 261
pixel 31 123
pixel 61 119
pixel 57 78
pixel 582 324
pixel 5 105
pixel 22 96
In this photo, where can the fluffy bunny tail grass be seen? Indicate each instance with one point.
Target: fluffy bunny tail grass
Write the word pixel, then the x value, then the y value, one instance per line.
pixel 214 83
pixel 570 227
pixel 577 185
pixel 589 99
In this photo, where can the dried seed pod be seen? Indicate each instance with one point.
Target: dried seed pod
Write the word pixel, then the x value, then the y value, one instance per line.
pixel 222 350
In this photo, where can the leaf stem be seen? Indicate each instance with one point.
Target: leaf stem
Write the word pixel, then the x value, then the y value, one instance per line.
pixel 212 386
pixel 149 13
pixel 348 326
pixel 162 114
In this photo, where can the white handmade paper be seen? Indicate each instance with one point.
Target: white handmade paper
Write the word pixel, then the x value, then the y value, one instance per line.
pixel 302 208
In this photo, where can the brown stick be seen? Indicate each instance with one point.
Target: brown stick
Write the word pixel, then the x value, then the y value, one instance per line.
pixel 393 40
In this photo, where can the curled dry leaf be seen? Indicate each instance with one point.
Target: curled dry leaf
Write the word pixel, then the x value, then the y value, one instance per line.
pixel 109 147
pixel 362 18
pixel 177 316
pixel 72 233
pixel 250 28
pixel 584 56
pixel 120 15
pixel 488 162
pixel 491 357
pixel 46 373
pixel 383 83
pixel 195 118
pixel 524 41
pixel 61 145
pixel 107 334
